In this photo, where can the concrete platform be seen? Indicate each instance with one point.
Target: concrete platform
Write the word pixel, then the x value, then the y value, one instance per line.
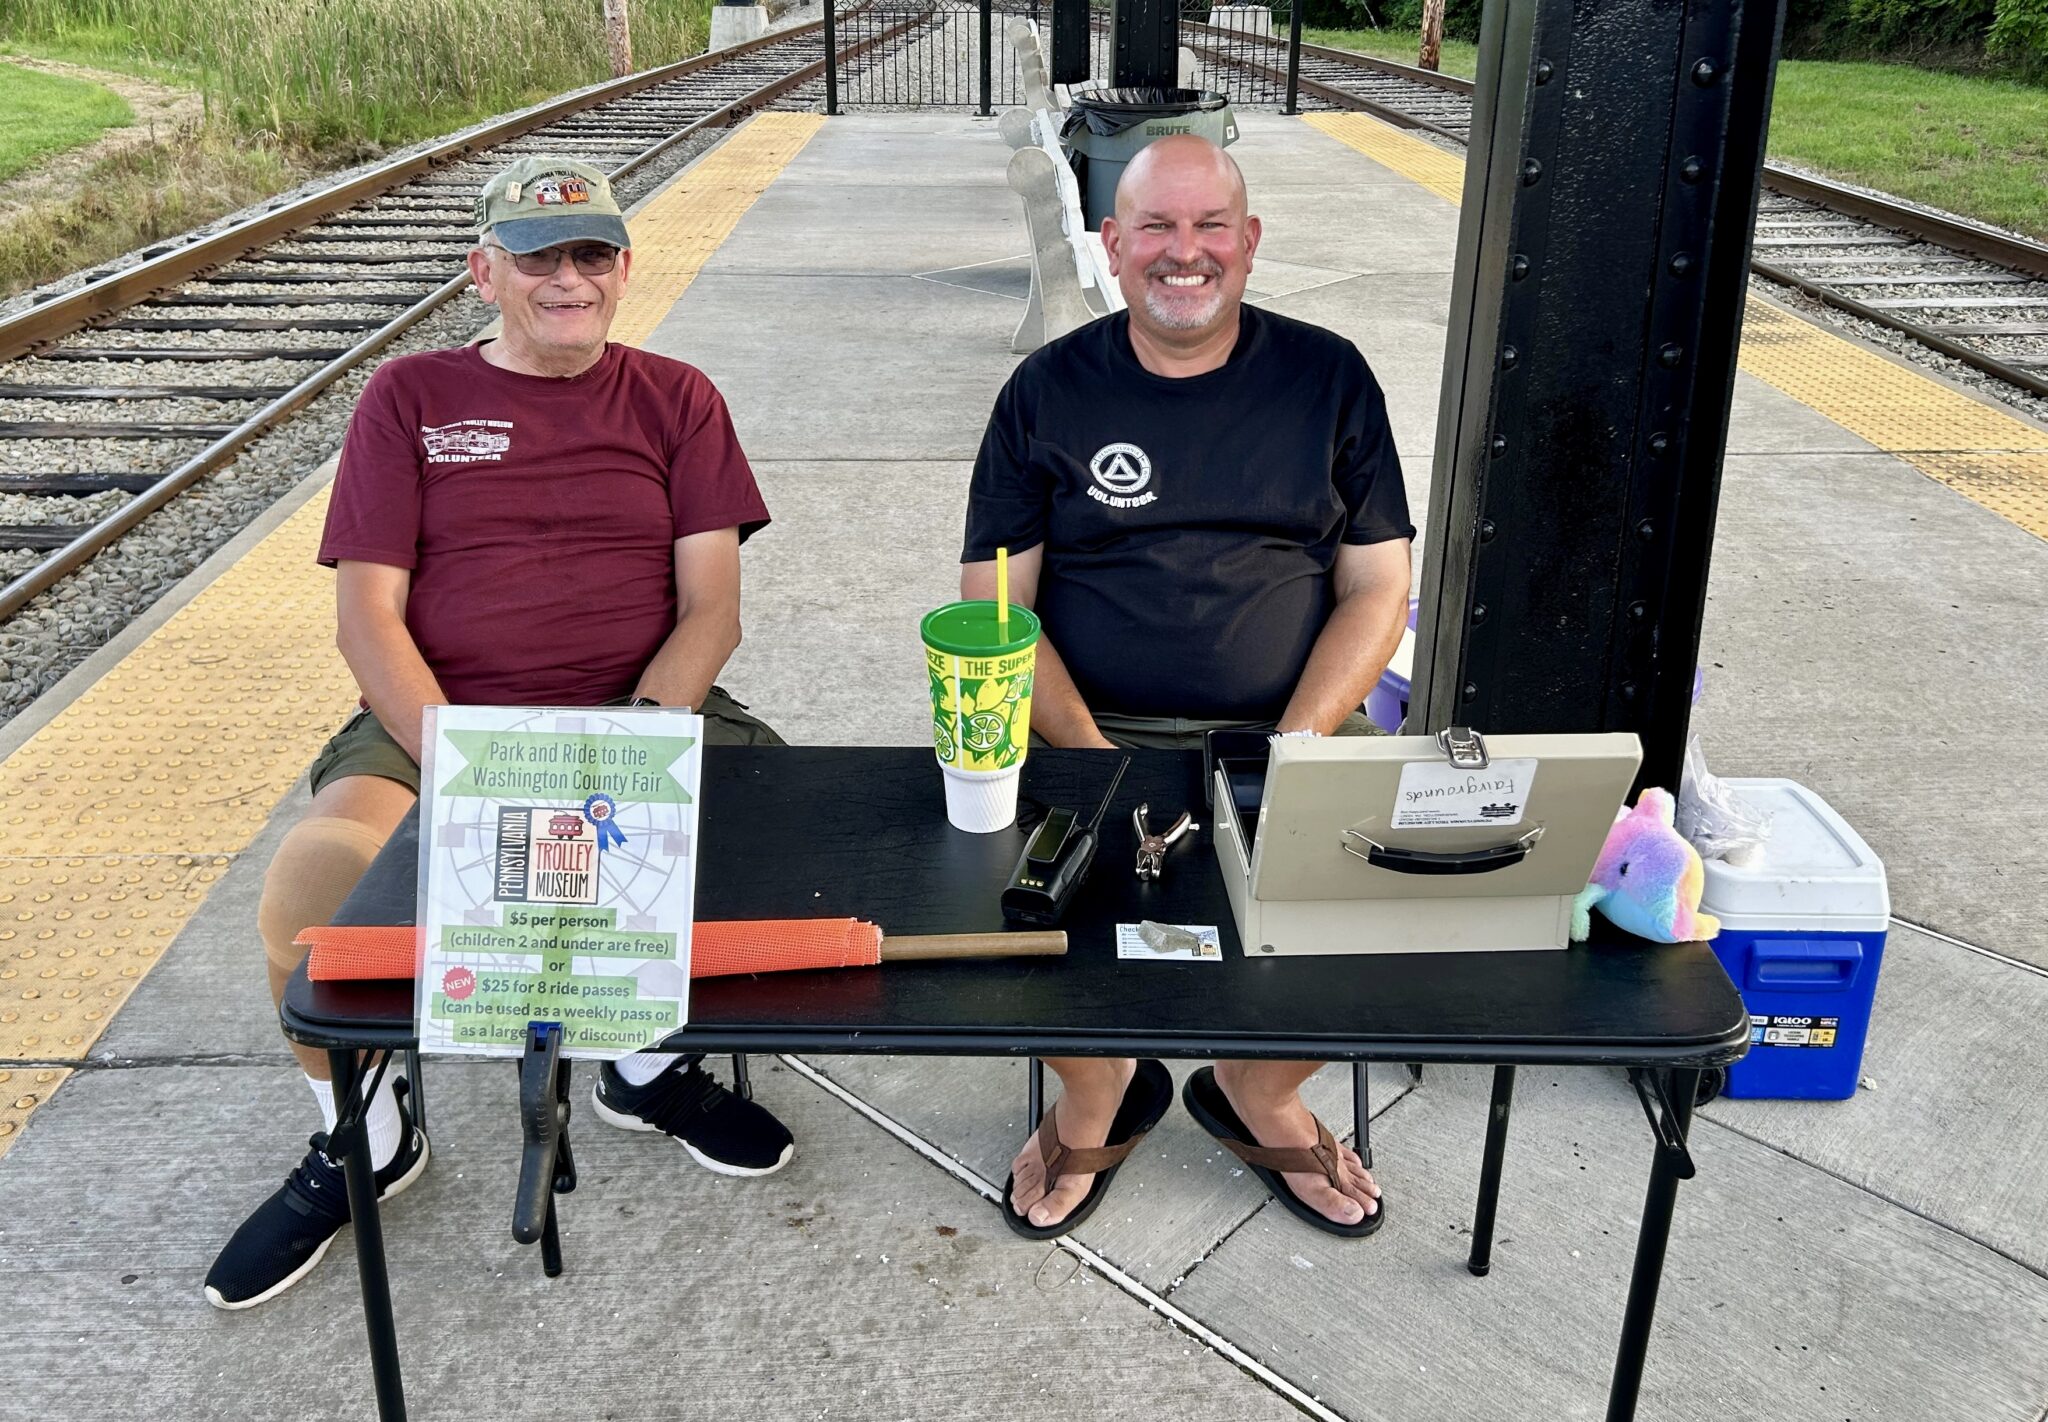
pixel 1881 1258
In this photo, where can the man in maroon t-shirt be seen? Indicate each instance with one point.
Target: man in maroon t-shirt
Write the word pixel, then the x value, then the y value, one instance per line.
pixel 546 460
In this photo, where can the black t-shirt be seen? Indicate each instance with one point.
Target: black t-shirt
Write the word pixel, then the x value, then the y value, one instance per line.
pixel 1190 525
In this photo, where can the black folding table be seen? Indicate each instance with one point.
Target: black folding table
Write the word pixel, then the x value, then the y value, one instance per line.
pixel 820 833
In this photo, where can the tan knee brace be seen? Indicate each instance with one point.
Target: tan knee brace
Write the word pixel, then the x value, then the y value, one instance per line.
pixel 319 862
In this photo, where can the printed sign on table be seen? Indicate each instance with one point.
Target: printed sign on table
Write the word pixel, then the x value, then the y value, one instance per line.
pixel 558 862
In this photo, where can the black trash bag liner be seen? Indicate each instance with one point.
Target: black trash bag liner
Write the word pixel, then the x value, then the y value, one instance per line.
pixel 1108 112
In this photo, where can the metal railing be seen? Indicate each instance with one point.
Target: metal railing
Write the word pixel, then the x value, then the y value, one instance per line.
pixel 950 54
pixel 1239 51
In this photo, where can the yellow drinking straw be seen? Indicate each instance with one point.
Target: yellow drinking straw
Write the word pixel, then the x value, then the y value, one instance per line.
pixel 1003 593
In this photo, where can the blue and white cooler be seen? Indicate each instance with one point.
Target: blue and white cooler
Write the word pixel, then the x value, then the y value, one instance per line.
pixel 1802 934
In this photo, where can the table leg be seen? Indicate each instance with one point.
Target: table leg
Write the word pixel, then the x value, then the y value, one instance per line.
pixel 418 1096
pixel 1361 1113
pixel 1481 1261
pixel 1034 1094
pixel 1667 1167
pixel 349 1074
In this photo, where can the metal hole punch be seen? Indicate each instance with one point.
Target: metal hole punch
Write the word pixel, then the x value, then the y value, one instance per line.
pixel 1152 847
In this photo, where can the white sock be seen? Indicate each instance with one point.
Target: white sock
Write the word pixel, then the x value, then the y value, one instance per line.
pixel 387 1131
pixel 643 1067
pixel 323 1092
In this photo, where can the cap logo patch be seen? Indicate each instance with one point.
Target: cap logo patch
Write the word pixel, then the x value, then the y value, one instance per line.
pixel 550 191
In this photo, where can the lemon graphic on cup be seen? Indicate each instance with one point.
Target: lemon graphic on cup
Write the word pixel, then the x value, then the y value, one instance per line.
pixel 985 731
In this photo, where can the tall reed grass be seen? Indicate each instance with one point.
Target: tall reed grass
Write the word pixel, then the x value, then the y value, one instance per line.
pixel 324 72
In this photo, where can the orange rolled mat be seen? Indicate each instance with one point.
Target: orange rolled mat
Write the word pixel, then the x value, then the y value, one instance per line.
pixel 724 949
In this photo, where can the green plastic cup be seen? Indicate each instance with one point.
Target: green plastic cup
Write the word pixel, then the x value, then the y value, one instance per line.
pixel 981 708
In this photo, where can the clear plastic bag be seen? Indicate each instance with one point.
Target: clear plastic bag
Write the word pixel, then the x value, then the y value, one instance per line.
pixel 1719 823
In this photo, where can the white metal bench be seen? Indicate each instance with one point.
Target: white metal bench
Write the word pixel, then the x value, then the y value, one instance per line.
pixel 1071 283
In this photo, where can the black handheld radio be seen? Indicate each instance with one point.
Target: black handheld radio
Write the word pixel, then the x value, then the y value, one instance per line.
pixel 1056 861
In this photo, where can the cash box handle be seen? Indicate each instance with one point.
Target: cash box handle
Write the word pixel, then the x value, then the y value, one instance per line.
pixel 1420 861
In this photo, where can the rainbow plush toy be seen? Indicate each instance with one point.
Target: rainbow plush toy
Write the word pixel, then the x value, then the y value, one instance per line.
pixel 1648 879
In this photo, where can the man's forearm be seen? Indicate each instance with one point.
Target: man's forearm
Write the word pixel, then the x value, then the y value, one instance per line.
pixel 1349 654
pixel 394 678
pixel 1057 711
pixel 690 659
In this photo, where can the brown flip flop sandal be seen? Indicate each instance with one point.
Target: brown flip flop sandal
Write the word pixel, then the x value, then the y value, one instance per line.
pixel 1208 1105
pixel 1145 1101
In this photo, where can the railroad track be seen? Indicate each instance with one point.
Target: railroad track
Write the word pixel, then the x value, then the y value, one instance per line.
pixel 119 395
pixel 1968 292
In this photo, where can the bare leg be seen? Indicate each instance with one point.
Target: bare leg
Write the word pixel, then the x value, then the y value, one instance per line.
pixel 1267 1097
pixel 319 862
pixel 1091 1089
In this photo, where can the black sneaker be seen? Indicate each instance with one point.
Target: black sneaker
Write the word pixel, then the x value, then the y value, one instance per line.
pixel 280 1243
pixel 725 1132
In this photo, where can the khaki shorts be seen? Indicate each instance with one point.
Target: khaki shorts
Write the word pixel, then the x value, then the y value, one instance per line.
pixel 364 747
pixel 1186 732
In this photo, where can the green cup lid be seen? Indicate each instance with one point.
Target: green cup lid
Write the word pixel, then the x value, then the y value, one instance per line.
pixel 969 629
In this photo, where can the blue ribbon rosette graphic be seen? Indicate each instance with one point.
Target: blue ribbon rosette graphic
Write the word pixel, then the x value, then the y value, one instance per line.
pixel 601 810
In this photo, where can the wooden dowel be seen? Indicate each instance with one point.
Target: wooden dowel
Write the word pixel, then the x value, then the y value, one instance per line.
pixel 1050 943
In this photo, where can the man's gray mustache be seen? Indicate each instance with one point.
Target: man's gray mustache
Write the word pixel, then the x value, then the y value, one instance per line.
pixel 1167 269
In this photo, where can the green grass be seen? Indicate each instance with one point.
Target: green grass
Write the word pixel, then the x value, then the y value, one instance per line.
pixel 42 114
pixel 1971 144
pixel 291 87
pixel 1459 57
pixel 324 74
pixel 94 47
pixel 139 194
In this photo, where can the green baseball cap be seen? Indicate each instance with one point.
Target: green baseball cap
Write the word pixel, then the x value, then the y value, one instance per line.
pixel 547 202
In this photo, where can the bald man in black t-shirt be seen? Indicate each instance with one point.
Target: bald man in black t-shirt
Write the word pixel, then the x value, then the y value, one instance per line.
pixel 1203 504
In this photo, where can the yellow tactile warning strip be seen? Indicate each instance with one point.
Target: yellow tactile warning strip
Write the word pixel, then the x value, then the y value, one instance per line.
pixel 118 816
pixel 1442 172
pixel 1891 406
pixel 1995 459
pixel 676 233
pixel 22 1089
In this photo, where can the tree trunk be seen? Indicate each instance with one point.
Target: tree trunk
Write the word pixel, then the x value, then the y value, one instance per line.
pixel 1432 34
pixel 618 37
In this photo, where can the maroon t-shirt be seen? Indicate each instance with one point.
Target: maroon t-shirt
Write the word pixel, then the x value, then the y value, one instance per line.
pixel 538 516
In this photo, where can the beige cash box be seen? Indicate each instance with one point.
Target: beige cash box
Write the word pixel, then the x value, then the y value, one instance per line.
pixel 1415 844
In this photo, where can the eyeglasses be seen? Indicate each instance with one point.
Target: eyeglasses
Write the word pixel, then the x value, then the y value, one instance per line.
pixel 593 260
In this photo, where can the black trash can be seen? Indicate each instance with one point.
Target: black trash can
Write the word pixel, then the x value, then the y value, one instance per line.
pixel 1106 127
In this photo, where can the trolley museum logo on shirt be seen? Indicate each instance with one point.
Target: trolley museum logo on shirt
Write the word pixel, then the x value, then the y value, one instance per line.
pixel 1121 472
pixel 466 441
pixel 546 855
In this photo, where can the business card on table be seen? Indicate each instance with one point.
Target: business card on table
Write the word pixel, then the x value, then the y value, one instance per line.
pixel 1169 942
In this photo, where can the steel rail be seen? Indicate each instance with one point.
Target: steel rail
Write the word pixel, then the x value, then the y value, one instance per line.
pixel 93 539
pixel 1985 243
pixel 1972 239
pixel 1955 350
pixel 1328 93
